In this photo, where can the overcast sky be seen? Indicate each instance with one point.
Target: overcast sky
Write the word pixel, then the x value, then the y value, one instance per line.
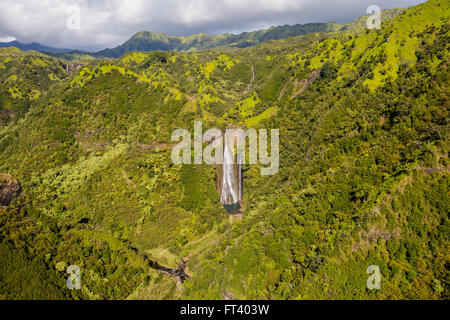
pixel 103 23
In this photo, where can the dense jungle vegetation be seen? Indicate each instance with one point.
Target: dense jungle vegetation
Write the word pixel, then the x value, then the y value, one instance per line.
pixel 363 179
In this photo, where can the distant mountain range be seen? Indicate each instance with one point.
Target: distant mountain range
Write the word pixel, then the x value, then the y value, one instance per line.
pixel 32 46
pixel 149 41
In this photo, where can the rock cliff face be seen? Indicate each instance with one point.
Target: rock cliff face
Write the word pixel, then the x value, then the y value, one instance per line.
pixel 10 189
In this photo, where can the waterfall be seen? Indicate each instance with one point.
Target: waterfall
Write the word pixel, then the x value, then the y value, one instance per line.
pixel 230 186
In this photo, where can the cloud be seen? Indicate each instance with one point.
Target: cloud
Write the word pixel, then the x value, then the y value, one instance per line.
pixel 103 23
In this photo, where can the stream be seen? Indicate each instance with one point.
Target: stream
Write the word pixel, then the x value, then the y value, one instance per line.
pixel 179 272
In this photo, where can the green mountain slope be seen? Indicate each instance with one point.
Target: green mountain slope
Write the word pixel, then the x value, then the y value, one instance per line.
pixel 363 180
pixel 24 77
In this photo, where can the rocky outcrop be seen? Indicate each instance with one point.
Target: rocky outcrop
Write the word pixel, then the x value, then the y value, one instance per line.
pixel 301 86
pixel 10 189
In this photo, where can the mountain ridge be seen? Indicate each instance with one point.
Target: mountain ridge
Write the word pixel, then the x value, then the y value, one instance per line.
pixel 149 41
pixel 33 46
